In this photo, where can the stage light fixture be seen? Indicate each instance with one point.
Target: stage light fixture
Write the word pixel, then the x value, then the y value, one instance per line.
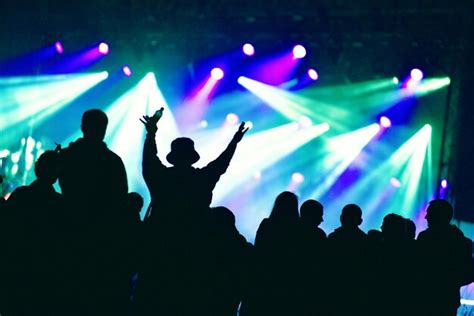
pixel 103 48
pixel 217 73
pixel 127 71
pixel 299 51
pixel 385 122
pixel 313 74
pixel 395 182
pixel 416 74
pixel 444 183
pixel 297 177
pixel 59 47
pixel 248 49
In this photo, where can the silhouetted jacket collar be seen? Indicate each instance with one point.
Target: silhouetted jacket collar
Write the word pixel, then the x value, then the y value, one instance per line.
pixel 82 143
pixel 42 186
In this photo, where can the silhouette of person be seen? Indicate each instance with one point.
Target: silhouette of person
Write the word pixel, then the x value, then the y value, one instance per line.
pixel 313 263
pixel 276 288
pixel 394 269
pixel 178 226
pixel 445 255
pixel 135 205
pixel 410 229
pixel 91 173
pixel 33 239
pixel 182 187
pixel 93 181
pixel 134 202
pixel 348 263
pixel 230 268
pixel 311 212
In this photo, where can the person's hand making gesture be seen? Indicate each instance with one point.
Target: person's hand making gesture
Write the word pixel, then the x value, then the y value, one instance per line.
pixel 151 121
pixel 240 132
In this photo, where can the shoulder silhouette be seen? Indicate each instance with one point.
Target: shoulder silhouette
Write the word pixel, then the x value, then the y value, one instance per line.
pixel 33 225
pixel 445 255
pixel 348 249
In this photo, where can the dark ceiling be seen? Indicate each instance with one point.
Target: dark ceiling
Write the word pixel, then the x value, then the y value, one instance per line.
pixel 380 29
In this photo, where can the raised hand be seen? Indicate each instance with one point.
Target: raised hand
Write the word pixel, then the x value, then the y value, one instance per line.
pixel 240 132
pixel 151 121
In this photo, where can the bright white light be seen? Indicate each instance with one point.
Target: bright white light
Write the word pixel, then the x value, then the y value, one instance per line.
pixel 412 84
pixel 204 124
pixel 467 302
pixel 385 122
pixel 104 48
pixel 444 183
pixel 29 159
pixel 15 157
pixel 313 74
pixel 232 118
pixel 217 73
pixel 395 182
pixel 248 49
pixel 4 153
pixel 249 124
pixel 305 121
pixel 416 74
pixel 14 169
pixel 299 51
pixel 30 144
pixel 297 177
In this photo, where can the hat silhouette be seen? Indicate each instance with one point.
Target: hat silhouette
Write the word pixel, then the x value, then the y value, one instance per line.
pixel 182 152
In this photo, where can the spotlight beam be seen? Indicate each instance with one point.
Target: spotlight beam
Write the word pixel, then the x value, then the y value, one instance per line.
pixel 260 151
pixel 341 152
pixel 405 161
pixel 32 103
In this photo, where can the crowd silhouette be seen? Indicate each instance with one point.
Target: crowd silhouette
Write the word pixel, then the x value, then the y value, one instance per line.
pixel 86 251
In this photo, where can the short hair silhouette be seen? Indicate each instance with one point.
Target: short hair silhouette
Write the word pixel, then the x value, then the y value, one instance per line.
pixel 285 207
pixel 311 212
pixel 394 227
pixel 94 124
pixel 134 201
pixel 46 167
pixel 182 152
pixel 410 229
pixel 351 215
pixel 223 216
pixel 439 213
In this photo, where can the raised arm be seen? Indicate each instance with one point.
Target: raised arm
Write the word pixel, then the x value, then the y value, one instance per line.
pixel 151 164
pixel 219 166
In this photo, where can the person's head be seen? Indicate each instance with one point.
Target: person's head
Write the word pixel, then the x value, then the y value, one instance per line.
pixel 439 213
pixel 182 152
pixel 374 236
pixel 393 227
pixel 47 167
pixel 311 212
pixel 351 215
pixel 410 229
pixel 94 124
pixel 223 217
pixel 134 202
pixel 285 207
